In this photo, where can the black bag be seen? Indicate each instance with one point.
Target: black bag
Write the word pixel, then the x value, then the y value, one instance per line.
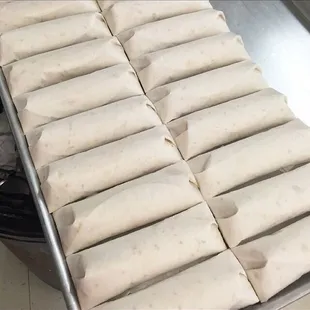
pixel 18 215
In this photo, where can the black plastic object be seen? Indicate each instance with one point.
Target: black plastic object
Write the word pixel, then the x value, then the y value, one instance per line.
pixel 18 217
pixel 20 228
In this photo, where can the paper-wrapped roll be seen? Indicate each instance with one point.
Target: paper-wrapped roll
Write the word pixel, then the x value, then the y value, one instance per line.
pixel 84 174
pixel 204 130
pixel 43 37
pixel 275 261
pixel 90 129
pixel 146 11
pixel 207 89
pixel 185 60
pixel 244 213
pixel 235 164
pixel 217 283
pixel 143 200
pixel 172 31
pixel 105 5
pixel 60 65
pixel 16 14
pixel 104 271
pixel 76 95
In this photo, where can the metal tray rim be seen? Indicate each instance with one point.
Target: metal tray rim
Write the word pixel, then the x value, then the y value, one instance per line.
pixel 292 293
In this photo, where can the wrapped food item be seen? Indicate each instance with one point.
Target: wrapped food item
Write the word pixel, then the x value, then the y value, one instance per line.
pixel 84 174
pixel 238 163
pixel 144 200
pixel 204 130
pixel 244 213
pixel 185 60
pixel 105 5
pixel 146 11
pixel 275 261
pixel 217 283
pixel 207 89
pixel 90 129
pixel 172 31
pixel 16 14
pixel 105 271
pixel 43 37
pixel 57 66
pixel 76 95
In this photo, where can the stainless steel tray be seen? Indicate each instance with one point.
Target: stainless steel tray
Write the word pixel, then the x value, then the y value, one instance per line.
pixel 46 219
pixel 295 291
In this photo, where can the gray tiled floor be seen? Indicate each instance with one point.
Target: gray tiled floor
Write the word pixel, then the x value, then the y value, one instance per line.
pixel 22 290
